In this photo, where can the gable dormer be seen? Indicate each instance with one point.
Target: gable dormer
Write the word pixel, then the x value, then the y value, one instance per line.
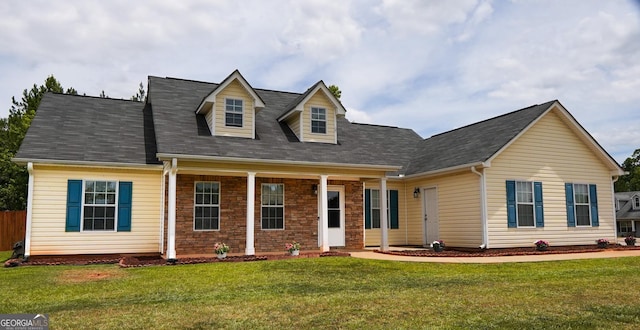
pixel 313 115
pixel 635 202
pixel 230 109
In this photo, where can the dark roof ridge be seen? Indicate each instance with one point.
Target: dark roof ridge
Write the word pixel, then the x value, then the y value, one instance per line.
pixel 492 118
pixel 379 125
pixel 217 83
pixel 94 97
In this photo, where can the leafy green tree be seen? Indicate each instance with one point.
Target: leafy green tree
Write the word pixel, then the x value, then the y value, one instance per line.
pixel 14 178
pixel 631 181
pixel 335 90
pixel 140 95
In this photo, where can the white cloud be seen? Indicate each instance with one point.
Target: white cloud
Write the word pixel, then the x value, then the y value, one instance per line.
pixel 426 65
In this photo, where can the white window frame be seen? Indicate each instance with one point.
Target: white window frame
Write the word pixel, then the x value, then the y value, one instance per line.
pixel 378 208
pixel 195 205
pixel 115 206
pixel 635 202
pixel 262 206
pixel 318 119
pixel 233 111
pixel 532 203
pixel 587 204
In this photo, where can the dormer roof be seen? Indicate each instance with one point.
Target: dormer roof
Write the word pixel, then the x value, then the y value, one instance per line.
pixel 235 75
pixel 298 104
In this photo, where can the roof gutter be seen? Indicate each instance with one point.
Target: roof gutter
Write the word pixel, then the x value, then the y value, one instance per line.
pixel 168 156
pixel 82 163
pixel 463 167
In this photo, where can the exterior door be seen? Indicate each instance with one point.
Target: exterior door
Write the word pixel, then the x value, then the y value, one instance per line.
pixel 430 215
pixel 335 202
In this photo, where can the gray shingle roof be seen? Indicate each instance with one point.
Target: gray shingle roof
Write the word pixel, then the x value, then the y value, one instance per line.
pixel 80 128
pixel 179 131
pixel 75 128
pixel 626 211
pixel 473 143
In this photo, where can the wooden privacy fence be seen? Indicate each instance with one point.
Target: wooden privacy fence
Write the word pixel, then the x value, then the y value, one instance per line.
pixel 13 225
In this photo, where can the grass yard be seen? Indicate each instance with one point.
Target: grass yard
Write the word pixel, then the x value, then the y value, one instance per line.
pixel 330 293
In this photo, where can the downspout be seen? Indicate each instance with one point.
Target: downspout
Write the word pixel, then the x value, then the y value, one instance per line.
pixel 483 208
pixel 613 200
pixel 27 235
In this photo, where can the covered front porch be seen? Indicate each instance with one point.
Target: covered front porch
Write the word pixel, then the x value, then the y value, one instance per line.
pixel 257 208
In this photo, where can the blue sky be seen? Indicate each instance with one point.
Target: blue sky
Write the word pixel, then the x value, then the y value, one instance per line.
pixel 427 65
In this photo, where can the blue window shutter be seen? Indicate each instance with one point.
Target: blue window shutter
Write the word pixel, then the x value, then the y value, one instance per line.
pixel 124 206
pixel 593 199
pixel 511 204
pixel 367 208
pixel 393 209
pixel 537 197
pixel 571 217
pixel 74 205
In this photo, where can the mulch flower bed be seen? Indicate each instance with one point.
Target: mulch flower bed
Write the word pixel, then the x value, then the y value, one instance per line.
pixel 154 260
pixel 453 252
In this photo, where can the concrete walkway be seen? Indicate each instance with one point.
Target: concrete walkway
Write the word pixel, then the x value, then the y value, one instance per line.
pixel 489 260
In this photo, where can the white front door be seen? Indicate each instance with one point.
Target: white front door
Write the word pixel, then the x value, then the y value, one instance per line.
pixel 335 203
pixel 430 215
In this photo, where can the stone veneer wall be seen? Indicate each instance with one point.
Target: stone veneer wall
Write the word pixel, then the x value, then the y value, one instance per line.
pixel 300 220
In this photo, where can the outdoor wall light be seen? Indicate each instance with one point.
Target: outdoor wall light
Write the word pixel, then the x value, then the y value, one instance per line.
pixel 314 187
pixel 416 192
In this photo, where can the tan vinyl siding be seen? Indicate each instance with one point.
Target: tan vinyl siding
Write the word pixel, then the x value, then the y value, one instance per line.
pixel 319 100
pixel 48 236
pixel 396 236
pixel 209 118
pixel 294 124
pixel 549 152
pixel 234 90
pixel 459 211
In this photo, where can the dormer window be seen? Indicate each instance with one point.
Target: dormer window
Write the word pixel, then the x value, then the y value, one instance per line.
pixel 233 113
pixel 318 120
pixel 636 202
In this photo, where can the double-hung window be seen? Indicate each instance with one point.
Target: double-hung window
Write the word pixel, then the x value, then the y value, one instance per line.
pixel 233 112
pixel 581 198
pixel 272 196
pixel 582 204
pixel 524 201
pixel 636 203
pixel 318 120
pixel 373 208
pixel 524 204
pixel 207 206
pixel 99 211
pixel 98 205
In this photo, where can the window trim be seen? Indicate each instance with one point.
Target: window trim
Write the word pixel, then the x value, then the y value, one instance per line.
pixel 588 204
pixel 233 112
pixel 195 183
pixel 635 202
pixel 533 205
pixel 262 206
pixel 115 206
pixel 318 120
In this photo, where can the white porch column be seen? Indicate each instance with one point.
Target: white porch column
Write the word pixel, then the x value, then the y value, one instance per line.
pixel 251 200
pixel 324 213
pixel 384 225
pixel 171 226
pixel 27 236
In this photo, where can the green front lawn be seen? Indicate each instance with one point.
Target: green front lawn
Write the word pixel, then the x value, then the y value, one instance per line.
pixel 331 293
